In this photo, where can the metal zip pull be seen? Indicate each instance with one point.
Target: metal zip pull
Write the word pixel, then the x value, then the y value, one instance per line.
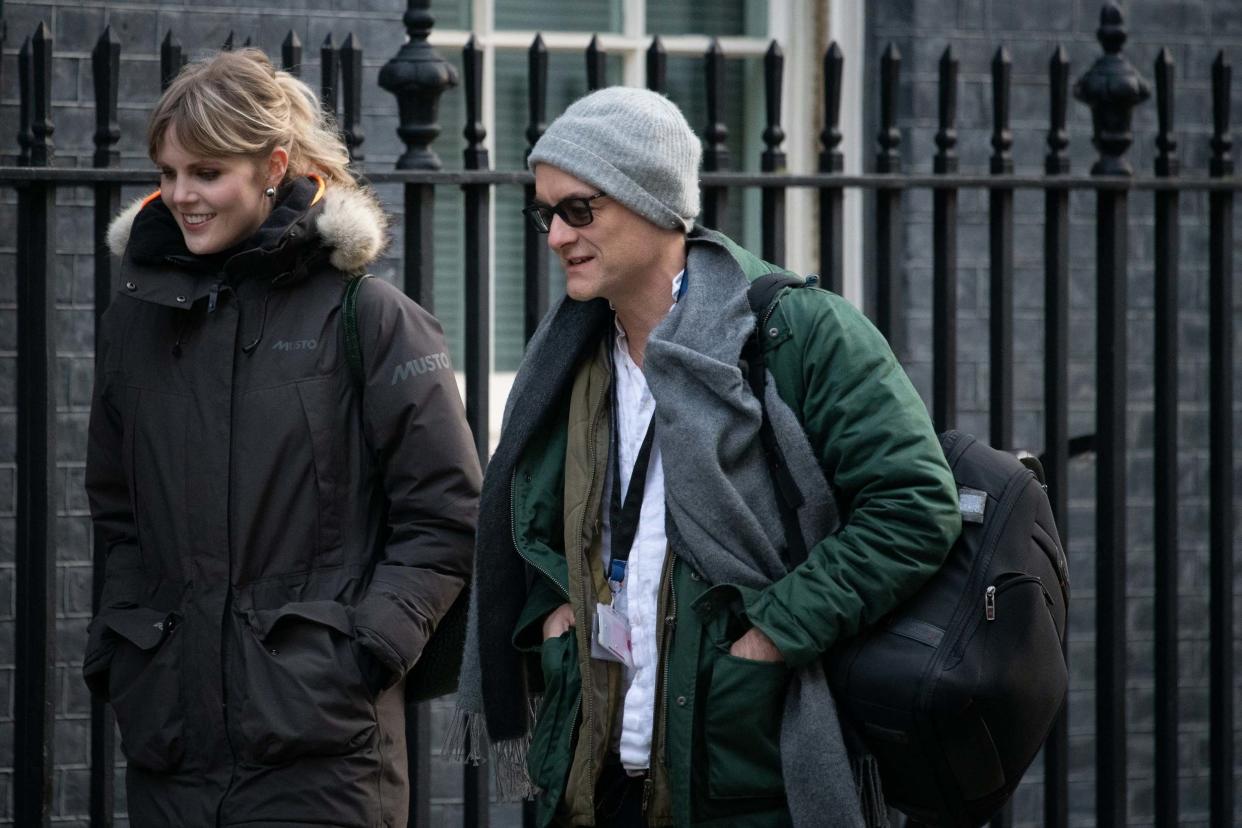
pixel 212 296
pixel 989 603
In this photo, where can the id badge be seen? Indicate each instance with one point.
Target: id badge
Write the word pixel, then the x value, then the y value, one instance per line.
pixel 612 629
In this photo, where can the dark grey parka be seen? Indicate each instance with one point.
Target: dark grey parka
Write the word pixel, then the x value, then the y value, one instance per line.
pixel 280 541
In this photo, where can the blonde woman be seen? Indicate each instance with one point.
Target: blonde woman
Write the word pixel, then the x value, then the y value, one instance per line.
pixel 282 535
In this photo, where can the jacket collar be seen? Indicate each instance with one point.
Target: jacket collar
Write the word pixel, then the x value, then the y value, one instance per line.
pixel 344 225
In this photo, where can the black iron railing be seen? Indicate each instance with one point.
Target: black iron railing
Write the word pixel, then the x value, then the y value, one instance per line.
pixel 417 76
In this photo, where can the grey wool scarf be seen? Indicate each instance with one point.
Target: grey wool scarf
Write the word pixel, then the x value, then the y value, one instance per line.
pixel 722 517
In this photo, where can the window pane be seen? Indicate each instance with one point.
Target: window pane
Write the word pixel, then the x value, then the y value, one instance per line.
pixel 451 14
pixel 743 119
pixel 561 15
pixel 711 17
pixel 566 83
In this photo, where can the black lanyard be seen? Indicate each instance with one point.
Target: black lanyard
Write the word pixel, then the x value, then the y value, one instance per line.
pixel 623 519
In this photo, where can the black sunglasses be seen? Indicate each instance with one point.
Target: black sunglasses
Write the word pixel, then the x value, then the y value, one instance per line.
pixel 575 211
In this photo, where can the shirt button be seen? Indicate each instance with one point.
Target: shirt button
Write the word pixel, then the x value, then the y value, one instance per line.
pixel 694 576
pixel 130 286
pixel 181 299
pixel 681 701
pixel 773 331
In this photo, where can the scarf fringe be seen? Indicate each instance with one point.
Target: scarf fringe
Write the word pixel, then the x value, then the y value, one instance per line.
pixel 870 791
pixel 467 741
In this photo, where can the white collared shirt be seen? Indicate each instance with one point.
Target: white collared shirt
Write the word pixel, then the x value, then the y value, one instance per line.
pixel 639 598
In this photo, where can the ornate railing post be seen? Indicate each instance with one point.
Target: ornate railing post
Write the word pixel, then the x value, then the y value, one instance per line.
pixel 1112 87
pixel 417 75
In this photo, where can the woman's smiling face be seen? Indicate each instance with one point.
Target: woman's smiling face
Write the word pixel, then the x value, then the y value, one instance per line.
pixel 217 202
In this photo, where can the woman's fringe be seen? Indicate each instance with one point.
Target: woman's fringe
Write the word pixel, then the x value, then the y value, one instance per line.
pixel 870 791
pixel 466 741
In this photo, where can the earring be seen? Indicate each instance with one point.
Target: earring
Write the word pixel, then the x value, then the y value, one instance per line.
pixel 270 192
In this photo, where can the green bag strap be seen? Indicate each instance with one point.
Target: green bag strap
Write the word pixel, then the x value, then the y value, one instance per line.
pixel 349 315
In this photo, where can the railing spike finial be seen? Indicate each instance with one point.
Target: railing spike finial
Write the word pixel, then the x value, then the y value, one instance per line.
pixel 773 134
pixel 1002 135
pixel 1222 141
pixel 1166 141
pixel 1057 162
pixel 596 65
pixel 291 54
pixel 946 137
pixel 171 59
pixel 329 76
pixel 831 158
pixel 888 159
pixel 25 81
pixel 475 133
pixel 716 155
pixel 248 42
pixel 351 86
pixel 41 146
pixel 1112 88
pixel 418 76
pixel 228 42
pixel 537 100
pixel 106 69
pixel 657 66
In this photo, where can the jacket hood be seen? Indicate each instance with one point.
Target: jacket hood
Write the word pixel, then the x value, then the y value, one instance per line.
pixel 348 222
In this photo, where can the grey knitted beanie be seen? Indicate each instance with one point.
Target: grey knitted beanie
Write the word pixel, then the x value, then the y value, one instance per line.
pixel 634 145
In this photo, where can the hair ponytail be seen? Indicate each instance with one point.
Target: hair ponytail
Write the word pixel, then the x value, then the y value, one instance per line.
pixel 238 103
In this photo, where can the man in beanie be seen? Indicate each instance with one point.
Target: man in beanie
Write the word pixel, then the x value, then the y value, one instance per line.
pixel 642 650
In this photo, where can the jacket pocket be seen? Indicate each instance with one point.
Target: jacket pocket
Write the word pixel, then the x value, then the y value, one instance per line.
pixel 305 694
pixel 549 755
pixel 742 724
pixel 137 667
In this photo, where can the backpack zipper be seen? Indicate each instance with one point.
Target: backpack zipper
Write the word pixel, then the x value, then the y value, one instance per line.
pixel 990 594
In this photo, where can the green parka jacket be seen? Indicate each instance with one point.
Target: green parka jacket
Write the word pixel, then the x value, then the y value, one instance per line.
pixel 715 748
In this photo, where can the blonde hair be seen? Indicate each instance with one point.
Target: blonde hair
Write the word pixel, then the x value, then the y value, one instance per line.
pixel 238 103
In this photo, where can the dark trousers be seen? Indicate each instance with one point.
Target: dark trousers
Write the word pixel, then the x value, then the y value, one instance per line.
pixel 618 796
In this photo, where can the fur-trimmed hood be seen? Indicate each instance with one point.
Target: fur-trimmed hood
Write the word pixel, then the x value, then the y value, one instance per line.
pixel 349 221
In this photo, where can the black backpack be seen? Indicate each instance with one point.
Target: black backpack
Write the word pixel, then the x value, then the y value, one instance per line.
pixel 956 690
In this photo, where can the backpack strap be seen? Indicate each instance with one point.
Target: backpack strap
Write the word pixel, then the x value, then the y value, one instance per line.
pixel 349 317
pixel 763 295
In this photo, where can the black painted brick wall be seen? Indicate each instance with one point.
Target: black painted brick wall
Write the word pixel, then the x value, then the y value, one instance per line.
pixel 1194 30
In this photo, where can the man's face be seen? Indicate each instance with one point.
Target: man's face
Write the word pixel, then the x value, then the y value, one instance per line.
pixel 607 258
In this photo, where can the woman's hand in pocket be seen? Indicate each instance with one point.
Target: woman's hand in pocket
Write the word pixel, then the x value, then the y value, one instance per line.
pixel 756 646
pixel 558 621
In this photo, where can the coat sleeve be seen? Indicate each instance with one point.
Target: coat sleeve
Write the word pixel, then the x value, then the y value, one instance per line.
pixel 875 442
pixel 416 425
